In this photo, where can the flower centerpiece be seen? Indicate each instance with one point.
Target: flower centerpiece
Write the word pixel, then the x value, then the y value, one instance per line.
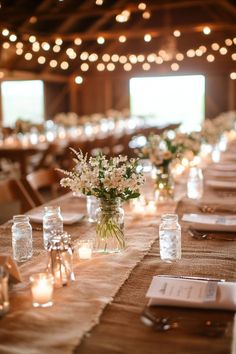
pixel 162 150
pixel 111 181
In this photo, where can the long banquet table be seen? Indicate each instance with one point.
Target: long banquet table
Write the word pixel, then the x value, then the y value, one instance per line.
pixel 100 311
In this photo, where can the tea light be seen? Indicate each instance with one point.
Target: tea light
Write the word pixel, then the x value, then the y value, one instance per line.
pixel 42 289
pixel 84 249
pixel 151 208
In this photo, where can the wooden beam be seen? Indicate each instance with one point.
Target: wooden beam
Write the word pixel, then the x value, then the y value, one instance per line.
pixel 229 7
pixel 26 75
pixel 154 31
pixel 96 12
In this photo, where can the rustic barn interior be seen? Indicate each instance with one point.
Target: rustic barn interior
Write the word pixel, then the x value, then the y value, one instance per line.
pixel 117 176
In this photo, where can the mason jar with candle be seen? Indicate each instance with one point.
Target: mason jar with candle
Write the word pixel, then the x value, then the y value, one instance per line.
pixel 170 238
pixel 195 183
pixel 42 289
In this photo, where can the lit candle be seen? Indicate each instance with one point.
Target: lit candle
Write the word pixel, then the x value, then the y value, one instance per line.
pixel 84 249
pixel 42 289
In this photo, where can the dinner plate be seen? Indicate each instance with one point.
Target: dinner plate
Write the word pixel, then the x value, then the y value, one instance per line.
pixel 68 217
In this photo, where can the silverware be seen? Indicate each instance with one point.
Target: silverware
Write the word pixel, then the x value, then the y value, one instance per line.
pixel 208 328
pixel 192 277
pixel 207 235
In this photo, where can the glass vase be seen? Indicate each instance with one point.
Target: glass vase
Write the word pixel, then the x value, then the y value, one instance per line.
pixel 110 227
pixel 164 184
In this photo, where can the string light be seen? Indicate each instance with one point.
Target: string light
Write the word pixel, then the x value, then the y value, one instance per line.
pixel 233 75
pixel 28 56
pixel 159 60
pixel 210 58
pixel 123 16
pixel 223 50
pixel 78 80
pixel 53 63
pixel 84 67
pixel 99 2
pixel 177 33
pixel 36 47
pixel 142 6
pixel 115 58
pixel 215 46
pixel 32 39
pixel 151 58
pixel 228 42
pixel 45 46
pixel 6 45
pixel 33 19
pixel 233 56
pixel 84 55
pixel 13 37
pixel 56 48
pixel 146 66
pixel 78 41
pixel 147 37
pixel 100 40
pixel 2 74
pixel 41 59
pixel 122 39
pixel 199 52
pixel 140 58
pixel 19 51
pixel 190 53
pixel 127 67
pixel 59 41
pixel 100 67
pixel 123 59
pixel 174 67
pixel 179 56
pixel 111 66
pixel 146 15
pixel 5 32
pixel 133 59
pixel 93 57
pixel 206 30
pixel 64 65
pixel 106 57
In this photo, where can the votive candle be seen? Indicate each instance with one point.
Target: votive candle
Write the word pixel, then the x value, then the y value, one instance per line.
pixel 42 289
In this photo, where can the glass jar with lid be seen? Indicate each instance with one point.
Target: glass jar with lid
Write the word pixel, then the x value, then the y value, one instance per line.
pixel 170 238
pixel 22 245
pixel 52 222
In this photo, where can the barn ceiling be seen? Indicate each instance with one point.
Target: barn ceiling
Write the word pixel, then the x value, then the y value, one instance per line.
pixel 79 37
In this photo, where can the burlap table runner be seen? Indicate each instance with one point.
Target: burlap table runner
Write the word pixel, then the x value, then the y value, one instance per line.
pixel 77 308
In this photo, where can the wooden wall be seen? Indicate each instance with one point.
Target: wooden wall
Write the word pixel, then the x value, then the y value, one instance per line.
pixel 99 93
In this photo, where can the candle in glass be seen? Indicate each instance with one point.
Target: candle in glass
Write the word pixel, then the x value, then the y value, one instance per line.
pixel 42 289
pixel 84 249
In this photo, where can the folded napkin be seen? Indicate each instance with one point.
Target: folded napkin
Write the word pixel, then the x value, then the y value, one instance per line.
pixel 211 222
pixel 224 299
pixel 229 184
pixel 68 217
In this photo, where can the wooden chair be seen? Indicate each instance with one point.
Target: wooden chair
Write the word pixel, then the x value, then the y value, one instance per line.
pixel 43 180
pixel 12 190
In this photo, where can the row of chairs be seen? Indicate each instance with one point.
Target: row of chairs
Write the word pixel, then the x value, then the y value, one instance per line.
pixel 31 191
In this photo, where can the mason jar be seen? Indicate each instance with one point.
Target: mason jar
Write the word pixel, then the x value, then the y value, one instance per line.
pixel 52 222
pixel 195 183
pixel 22 244
pixel 170 238
pixel 110 227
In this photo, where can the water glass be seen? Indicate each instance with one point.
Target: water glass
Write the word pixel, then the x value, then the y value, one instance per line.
pixel 195 183
pixel 170 238
pixel 22 245
pixel 4 300
pixel 92 206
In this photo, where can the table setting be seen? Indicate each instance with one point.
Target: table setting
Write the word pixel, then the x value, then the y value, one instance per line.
pixel 147 271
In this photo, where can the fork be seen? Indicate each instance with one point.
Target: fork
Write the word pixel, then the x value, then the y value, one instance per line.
pixel 203 235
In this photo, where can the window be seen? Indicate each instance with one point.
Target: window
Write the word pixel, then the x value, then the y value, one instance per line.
pixel 24 100
pixel 169 99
